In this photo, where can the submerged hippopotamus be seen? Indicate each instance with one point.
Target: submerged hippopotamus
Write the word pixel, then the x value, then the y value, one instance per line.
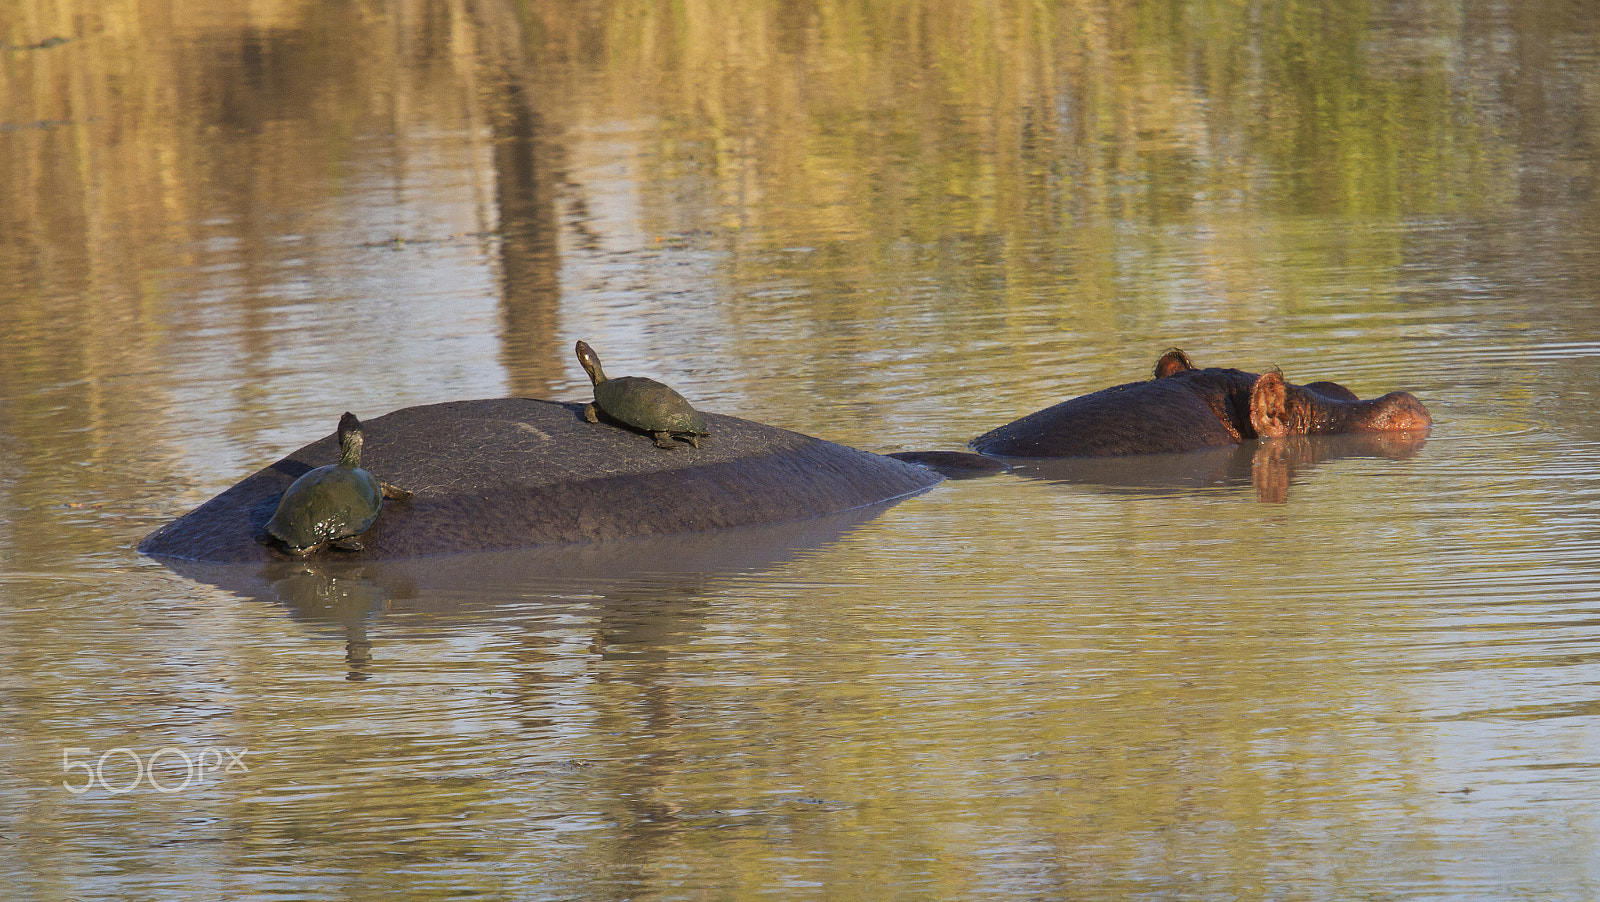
pixel 508 473
pixel 1183 408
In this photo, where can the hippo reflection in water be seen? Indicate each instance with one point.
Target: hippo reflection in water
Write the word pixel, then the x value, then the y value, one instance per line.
pixel 1183 408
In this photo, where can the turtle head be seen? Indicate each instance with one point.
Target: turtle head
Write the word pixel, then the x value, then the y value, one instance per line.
pixel 591 362
pixel 351 436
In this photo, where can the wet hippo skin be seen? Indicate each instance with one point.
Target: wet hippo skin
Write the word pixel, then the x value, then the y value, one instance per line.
pixel 1184 408
pixel 515 473
pixel 954 464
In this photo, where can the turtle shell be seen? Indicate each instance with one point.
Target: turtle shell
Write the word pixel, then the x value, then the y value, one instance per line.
pixel 328 503
pixel 648 405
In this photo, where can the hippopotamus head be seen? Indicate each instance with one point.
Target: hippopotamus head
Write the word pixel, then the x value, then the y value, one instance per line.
pixel 1278 408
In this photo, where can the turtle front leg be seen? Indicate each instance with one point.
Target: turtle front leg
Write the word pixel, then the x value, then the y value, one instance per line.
pixel 349 543
pixel 591 414
pixel 664 440
pixel 393 492
pixel 693 440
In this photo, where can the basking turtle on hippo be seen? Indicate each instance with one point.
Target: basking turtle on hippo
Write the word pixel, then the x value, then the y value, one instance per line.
pixel 332 506
pixel 1184 408
pixel 641 403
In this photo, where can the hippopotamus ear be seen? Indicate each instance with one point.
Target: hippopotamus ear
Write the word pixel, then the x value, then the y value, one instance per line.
pixel 1269 405
pixel 1172 363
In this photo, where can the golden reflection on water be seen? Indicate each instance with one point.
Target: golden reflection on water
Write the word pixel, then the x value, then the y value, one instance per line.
pixel 892 224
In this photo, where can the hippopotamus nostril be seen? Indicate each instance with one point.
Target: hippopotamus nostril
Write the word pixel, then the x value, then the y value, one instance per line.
pixel 1399 411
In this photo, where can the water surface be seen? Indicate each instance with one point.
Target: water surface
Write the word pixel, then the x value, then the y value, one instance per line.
pixel 1299 672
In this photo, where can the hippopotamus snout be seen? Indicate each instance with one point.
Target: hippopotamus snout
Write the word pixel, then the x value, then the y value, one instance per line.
pixel 1278 408
pixel 1399 411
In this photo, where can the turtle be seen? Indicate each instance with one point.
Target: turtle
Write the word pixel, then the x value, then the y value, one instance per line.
pixel 332 505
pixel 644 404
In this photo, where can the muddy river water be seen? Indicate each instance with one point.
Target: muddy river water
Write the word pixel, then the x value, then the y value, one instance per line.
pixel 1323 672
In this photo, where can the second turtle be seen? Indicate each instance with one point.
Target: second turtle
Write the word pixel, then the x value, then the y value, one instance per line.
pixel 644 404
